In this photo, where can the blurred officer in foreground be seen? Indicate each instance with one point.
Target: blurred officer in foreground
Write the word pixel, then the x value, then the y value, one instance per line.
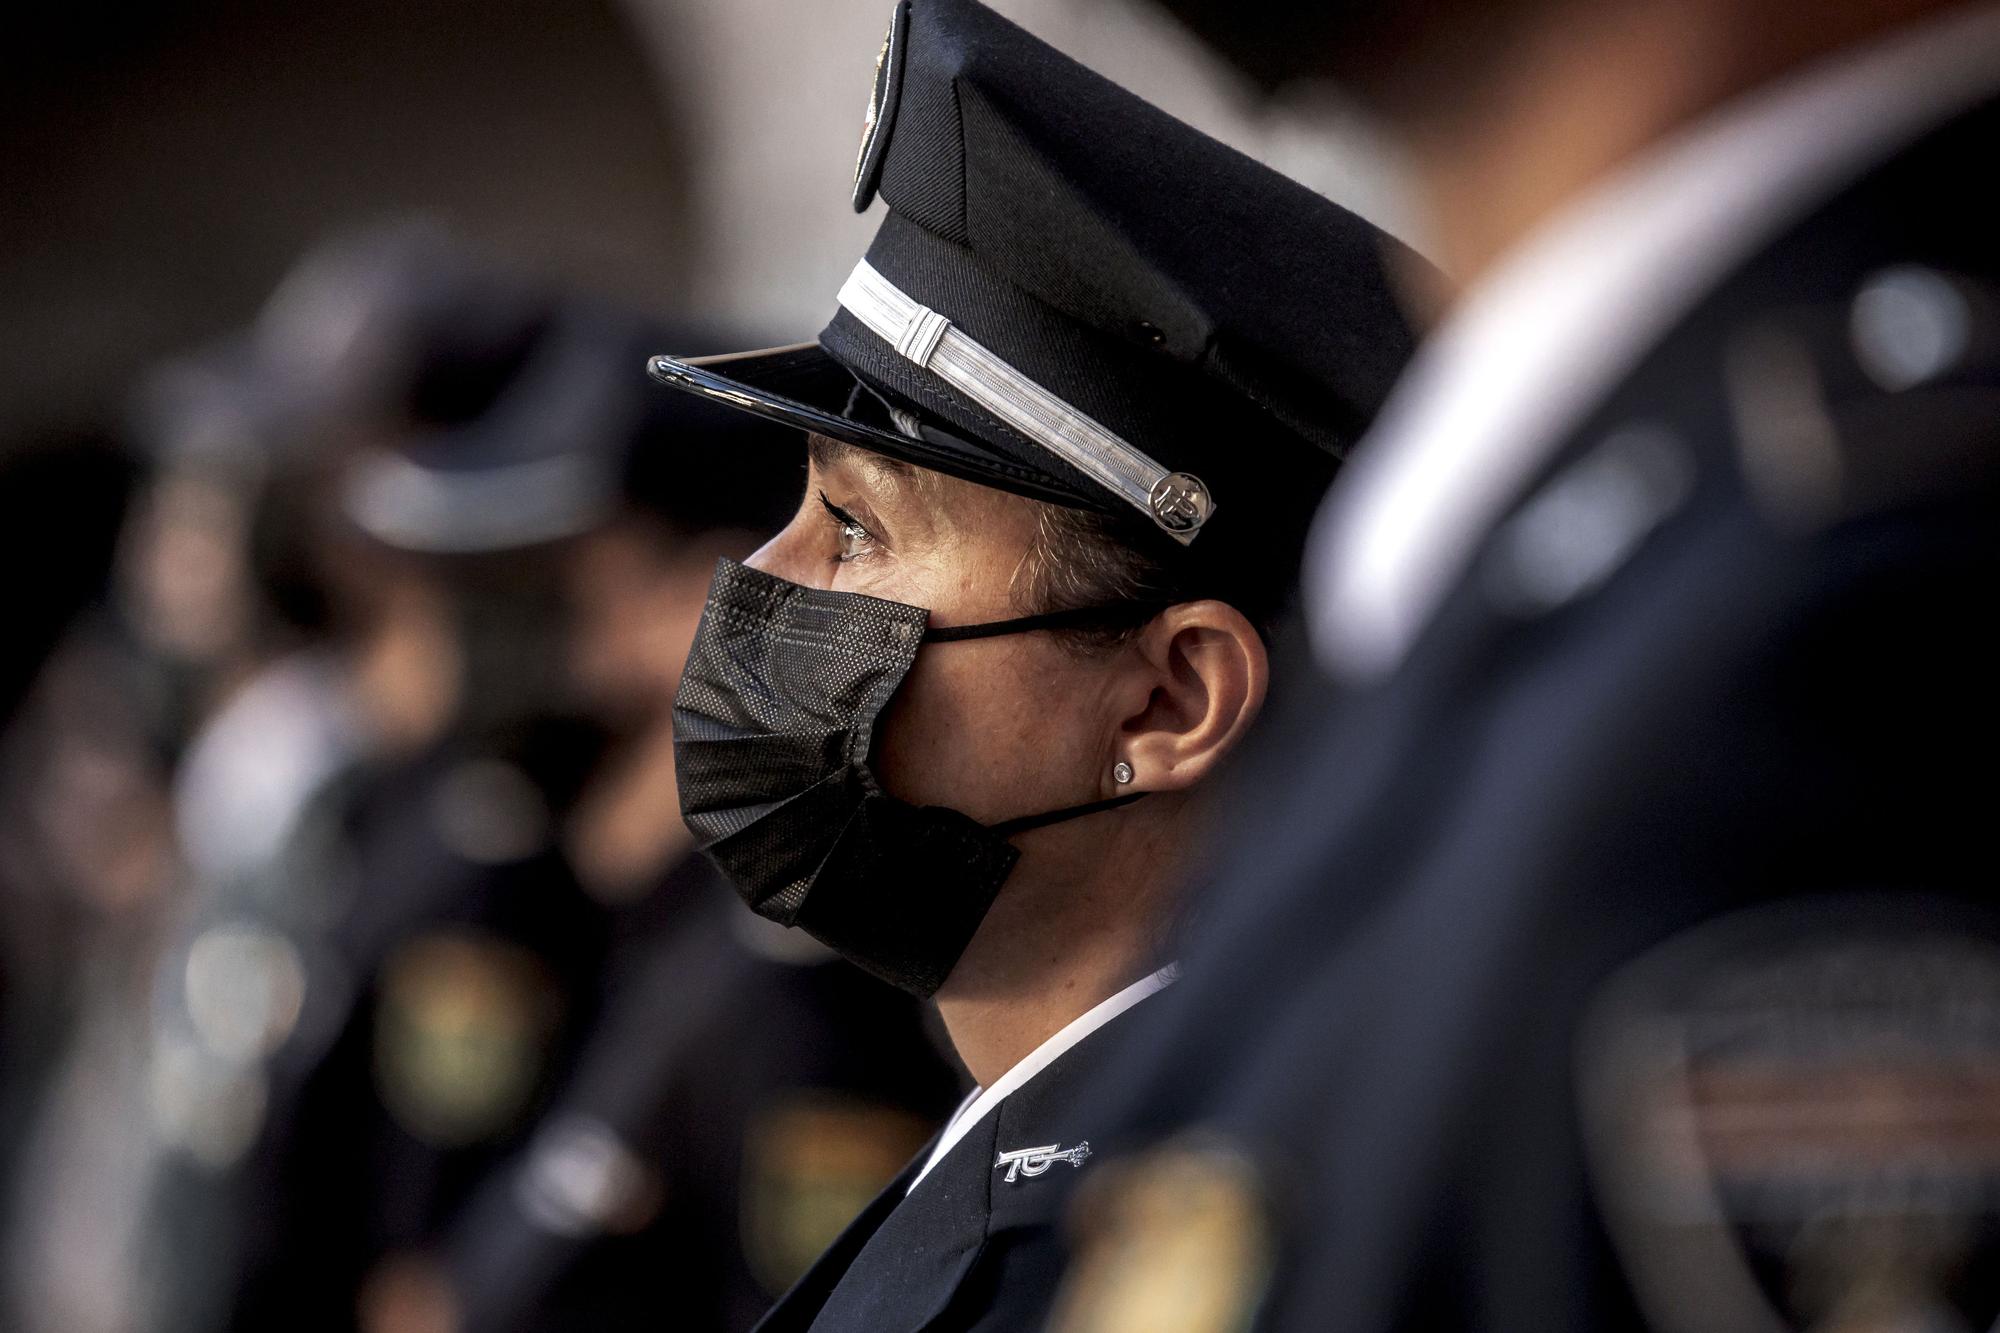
pixel 1607 940
pixel 1067 426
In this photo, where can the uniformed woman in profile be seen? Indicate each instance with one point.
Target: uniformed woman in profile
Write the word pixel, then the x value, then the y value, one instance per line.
pixel 1067 428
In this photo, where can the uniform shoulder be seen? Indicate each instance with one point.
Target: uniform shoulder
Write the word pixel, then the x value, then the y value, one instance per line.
pixel 1882 400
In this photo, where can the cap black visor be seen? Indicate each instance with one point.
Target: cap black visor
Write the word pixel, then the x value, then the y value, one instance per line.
pixel 805 387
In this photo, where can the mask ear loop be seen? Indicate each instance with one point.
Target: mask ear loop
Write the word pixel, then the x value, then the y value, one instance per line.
pixel 1009 828
pixel 1081 617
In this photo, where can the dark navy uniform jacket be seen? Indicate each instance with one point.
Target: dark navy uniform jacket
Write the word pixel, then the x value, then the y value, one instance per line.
pixel 1780 695
pixel 968 1248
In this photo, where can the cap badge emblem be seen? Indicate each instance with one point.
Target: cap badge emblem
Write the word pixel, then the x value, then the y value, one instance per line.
pixel 882 96
pixel 1037 1161
pixel 1181 502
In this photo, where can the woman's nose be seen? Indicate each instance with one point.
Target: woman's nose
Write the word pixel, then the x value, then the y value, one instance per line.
pixel 785 555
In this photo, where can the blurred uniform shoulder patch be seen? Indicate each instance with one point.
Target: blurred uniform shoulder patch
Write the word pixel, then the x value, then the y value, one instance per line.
pixel 1793 1119
pixel 811 1163
pixel 464 1023
pixel 1177 1240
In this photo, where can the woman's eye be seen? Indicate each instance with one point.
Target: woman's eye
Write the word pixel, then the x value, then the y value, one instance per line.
pixel 855 540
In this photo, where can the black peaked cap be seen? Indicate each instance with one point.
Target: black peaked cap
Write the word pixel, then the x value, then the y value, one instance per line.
pixel 1232 326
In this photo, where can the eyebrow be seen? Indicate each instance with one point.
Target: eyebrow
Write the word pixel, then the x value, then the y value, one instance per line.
pixel 902 501
pixel 825 451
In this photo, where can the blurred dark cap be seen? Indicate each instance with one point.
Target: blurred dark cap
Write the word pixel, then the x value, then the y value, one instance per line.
pixel 504 445
pixel 395 318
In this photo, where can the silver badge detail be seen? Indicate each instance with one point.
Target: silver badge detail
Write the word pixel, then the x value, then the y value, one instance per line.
pixel 1036 1161
pixel 867 161
pixel 1181 502
pixel 873 118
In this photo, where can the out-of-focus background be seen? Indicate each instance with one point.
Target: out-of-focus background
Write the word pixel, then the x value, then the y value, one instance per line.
pixel 354 972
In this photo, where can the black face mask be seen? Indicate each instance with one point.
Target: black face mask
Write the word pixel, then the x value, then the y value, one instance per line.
pixel 772 731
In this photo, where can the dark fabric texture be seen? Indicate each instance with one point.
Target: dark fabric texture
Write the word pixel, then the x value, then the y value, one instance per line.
pixel 968 1249
pixel 1767 701
pixel 925 169
pixel 772 730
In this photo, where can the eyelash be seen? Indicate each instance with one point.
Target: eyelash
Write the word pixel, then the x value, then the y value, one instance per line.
pixel 850 528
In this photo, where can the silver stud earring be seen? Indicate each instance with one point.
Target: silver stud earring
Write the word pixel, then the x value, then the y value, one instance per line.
pixel 1121 772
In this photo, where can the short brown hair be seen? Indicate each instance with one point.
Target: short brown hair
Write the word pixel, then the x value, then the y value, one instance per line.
pixel 1083 558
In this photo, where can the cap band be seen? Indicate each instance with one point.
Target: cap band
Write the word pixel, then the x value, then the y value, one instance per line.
pixel 1178 503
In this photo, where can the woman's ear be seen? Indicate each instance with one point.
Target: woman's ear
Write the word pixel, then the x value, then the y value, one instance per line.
pixel 1200 674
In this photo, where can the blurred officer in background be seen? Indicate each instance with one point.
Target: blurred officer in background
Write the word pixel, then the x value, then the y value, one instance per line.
pixel 1067 426
pixel 319 670
pixel 743 1092
pixel 409 1064
pixel 1606 941
pixel 464 962
pixel 215 613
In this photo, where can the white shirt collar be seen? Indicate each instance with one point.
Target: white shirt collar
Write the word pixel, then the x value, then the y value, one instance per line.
pixel 1533 346
pixel 981 1101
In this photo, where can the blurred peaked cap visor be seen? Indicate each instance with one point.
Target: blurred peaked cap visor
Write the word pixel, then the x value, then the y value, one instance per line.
pixel 492 455
pixel 401 316
pixel 222 407
pixel 363 326
pixel 1078 298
